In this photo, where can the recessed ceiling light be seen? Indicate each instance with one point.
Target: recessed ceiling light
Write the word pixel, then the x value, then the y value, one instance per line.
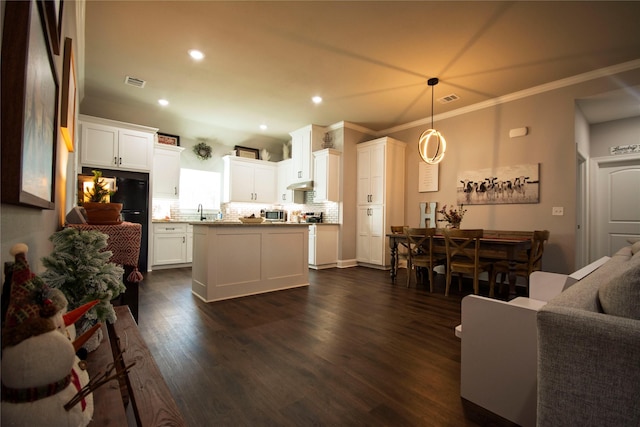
pixel 196 54
pixel 317 99
pixel 263 127
pixel 163 102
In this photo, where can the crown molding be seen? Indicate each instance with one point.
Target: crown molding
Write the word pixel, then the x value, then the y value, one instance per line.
pixel 536 90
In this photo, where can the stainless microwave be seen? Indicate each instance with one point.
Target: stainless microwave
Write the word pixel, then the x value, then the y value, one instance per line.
pixel 276 216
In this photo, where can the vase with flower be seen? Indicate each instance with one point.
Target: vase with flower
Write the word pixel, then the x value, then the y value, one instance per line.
pixel 452 216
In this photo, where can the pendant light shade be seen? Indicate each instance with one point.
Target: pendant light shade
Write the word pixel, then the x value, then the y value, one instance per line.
pixel 432 144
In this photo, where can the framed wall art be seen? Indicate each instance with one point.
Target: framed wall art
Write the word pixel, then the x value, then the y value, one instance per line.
pixel 68 100
pixel 246 152
pixel 53 22
pixel 29 107
pixel 502 185
pixel 167 139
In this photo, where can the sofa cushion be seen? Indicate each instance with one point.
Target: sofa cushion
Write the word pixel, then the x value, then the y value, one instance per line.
pixel 620 295
pixel 584 293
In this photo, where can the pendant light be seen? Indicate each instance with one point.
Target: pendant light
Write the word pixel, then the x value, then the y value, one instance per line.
pixel 433 153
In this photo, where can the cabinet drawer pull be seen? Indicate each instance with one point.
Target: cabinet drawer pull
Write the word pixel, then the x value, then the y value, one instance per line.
pixel 115 160
pixel 120 161
pixel 170 228
pixel 184 240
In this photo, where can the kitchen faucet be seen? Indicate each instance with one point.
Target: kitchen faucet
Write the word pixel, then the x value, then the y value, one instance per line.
pixel 201 210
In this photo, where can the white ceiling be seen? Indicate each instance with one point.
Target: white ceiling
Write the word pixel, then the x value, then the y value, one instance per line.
pixel 370 60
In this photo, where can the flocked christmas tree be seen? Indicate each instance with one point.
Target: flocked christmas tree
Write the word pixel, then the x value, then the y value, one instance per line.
pixel 82 271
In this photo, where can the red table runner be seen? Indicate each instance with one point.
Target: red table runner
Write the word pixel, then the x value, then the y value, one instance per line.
pixel 124 243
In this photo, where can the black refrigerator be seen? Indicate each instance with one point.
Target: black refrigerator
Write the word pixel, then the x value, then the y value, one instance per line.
pixel 133 193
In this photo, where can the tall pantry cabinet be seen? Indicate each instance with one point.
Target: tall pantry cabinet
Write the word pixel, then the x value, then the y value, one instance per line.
pixel 380 192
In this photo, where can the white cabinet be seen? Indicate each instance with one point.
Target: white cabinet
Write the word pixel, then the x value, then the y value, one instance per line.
pixel 249 180
pixel 169 243
pixel 284 195
pixel 304 141
pixel 380 195
pixel 326 175
pixel 323 246
pixel 371 173
pixel 166 171
pixel 189 243
pixel 116 145
pixel 370 241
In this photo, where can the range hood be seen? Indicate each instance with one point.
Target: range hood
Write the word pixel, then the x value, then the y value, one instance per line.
pixel 301 186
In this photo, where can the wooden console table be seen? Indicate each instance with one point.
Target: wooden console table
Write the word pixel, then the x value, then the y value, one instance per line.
pixel 143 398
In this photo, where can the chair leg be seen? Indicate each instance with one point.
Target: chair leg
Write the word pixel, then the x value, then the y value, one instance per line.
pixel 448 283
pixel 476 284
pixel 430 279
pixel 409 269
pixel 492 284
pixel 460 282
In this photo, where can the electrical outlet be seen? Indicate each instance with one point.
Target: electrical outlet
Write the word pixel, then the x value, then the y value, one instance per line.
pixel 557 210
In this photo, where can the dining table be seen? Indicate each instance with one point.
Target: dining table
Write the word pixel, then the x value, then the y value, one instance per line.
pixel 498 245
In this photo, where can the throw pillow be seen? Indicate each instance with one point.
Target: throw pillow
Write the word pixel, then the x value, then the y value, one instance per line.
pixel 621 295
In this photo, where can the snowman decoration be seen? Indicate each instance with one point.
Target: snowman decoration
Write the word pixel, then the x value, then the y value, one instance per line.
pixel 41 374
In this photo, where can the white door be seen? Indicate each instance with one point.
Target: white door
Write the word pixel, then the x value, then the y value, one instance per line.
pixel 265 184
pixel 135 150
pixel 241 188
pixel 616 204
pixel 364 175
pixel 377 173
pixel 378 238
pixel 363 239
pixel 99 145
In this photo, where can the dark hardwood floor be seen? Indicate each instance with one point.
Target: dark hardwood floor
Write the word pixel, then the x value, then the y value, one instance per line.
pixel 350 349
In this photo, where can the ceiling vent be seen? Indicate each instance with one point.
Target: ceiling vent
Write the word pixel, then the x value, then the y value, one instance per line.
pixel 448 98
pixel 132 81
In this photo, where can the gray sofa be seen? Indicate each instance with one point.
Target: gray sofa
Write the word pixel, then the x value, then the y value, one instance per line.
pixel 589 348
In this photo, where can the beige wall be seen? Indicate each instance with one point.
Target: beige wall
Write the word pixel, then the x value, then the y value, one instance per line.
pixel 613 134
pixel 34 226
pixel 480 140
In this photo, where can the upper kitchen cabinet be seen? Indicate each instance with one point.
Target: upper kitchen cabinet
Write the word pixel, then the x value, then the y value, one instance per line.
pixel 326 175
pixel 166 171
pixel 304 141
pixel 249 180
pixel 285 195
pixel 116 145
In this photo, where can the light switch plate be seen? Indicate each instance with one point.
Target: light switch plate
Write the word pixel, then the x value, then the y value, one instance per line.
pixel 557 210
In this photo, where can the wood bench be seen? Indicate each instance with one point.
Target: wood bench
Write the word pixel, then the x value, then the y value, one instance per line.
pixel 142 398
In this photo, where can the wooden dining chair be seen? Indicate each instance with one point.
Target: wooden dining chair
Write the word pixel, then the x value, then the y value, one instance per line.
pixel 420 253
pixel 463 257
pixel 532 261
pixel 402 247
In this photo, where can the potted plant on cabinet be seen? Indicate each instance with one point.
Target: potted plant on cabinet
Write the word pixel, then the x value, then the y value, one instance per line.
pixel 99 210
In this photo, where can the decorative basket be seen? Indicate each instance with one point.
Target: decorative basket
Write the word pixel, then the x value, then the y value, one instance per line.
pixel 251 220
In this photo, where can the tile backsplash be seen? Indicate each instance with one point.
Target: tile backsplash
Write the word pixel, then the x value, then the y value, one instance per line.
pixel 170 209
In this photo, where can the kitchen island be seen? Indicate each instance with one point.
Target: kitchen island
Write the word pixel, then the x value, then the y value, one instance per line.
pixel 231 259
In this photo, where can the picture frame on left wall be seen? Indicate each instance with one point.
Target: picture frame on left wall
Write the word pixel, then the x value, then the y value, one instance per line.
pixel 68 100
pixel 29 107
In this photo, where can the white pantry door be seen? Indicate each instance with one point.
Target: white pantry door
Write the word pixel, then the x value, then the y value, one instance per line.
pixel 616 204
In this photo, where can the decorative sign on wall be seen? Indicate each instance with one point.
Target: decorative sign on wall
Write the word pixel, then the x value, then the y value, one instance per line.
pixel 509 184
pixel 427 177
pixel 625 149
